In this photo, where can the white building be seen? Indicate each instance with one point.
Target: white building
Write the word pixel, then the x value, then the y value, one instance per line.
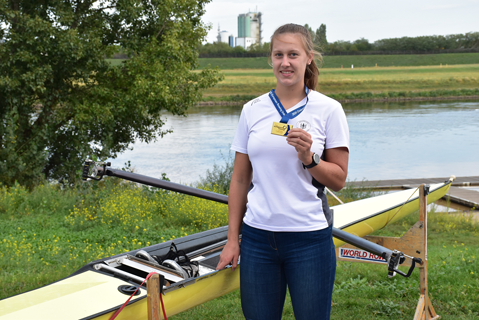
pixel 245 42
pixel 224 36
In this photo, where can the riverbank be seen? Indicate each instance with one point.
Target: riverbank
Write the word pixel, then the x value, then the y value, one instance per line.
pixel 472 95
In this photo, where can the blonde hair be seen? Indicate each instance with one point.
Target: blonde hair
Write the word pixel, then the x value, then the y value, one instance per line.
pixel 311 74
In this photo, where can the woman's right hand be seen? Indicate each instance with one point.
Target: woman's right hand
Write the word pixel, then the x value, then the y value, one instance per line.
pixel 229 255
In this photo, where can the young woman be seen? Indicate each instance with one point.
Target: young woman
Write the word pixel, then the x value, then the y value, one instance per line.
pixel 289 144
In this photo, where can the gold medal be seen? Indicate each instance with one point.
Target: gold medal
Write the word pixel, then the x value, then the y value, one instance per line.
pixel 281 129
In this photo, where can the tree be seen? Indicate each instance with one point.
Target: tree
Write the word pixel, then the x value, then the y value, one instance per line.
pixel 215 48
pixel 362 44
pixel 320 38
pixel 259 48
pixel 429 43
pixel 61 101
pixel 311 32
pixel 339 46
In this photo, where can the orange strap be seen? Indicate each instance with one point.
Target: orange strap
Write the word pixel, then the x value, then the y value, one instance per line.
pixel 126 302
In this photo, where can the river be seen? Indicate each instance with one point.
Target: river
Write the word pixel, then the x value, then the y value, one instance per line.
pixel 388 141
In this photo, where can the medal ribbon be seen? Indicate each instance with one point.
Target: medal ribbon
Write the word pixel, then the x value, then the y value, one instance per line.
pixel 285 117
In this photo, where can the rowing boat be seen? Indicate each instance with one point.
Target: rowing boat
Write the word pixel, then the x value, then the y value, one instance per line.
pixel 99 288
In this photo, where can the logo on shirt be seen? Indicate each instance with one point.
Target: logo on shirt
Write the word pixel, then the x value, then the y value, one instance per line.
pixel 255 101
pixel 303 124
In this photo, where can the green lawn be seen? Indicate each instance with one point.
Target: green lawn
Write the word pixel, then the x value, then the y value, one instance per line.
pixel 371 79
pixel 359 61
pixel 356 60
pixel 50 232
pixel 394 75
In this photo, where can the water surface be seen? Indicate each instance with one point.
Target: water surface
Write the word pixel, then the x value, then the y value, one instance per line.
pixel 388 141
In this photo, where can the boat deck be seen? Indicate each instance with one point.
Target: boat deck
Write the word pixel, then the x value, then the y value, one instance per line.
pixel 457 193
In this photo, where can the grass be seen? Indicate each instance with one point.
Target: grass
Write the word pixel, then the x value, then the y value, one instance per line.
pixel 373 80
pixel 395 76
pixel 360 61
pixel 49 232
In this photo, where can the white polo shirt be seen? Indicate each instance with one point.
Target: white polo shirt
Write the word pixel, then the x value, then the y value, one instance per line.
pixel 283 197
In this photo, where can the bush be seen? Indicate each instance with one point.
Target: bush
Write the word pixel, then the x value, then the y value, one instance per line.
pixel 219 178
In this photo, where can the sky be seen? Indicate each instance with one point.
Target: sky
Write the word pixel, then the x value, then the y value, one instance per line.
pixel 351 19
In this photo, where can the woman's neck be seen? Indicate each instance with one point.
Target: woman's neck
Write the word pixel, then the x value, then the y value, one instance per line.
pixel 290 96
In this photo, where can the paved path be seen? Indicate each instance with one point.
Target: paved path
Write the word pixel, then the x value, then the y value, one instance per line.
pixel 456 194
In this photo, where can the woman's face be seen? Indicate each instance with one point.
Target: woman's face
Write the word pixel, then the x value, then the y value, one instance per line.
pixel 289 60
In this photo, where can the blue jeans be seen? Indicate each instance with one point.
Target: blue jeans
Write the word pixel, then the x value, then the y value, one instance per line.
pixel 305 262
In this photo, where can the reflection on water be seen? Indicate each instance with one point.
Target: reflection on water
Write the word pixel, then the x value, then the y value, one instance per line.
pixel 442 205
pixel 388 141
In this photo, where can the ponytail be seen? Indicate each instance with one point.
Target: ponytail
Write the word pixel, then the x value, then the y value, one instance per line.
pixel 311 75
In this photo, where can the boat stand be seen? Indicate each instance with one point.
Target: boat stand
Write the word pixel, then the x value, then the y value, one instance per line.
pixel 412 243
pixel 154 290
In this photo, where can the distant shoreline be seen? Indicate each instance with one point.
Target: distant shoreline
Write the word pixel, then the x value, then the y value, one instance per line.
pixel 386 99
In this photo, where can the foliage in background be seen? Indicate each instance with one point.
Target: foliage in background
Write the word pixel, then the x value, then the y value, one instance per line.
pixel 466 41
pixel 61 102
pixel 221 49
pixel 318 37
pixel 129 207
pixel 216 48
pixel 219 177
pixel 460 41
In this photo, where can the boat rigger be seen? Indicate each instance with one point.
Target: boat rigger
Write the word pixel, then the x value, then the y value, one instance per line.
pixel 96 171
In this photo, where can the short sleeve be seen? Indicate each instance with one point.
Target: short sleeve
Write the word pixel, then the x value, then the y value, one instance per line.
pixel 240 140
pixel 337 129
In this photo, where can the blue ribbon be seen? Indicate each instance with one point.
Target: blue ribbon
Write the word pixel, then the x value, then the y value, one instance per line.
pixel 285 117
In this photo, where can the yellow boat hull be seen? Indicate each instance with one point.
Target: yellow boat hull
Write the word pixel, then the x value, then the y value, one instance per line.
pixel 356 218
pixel 83 296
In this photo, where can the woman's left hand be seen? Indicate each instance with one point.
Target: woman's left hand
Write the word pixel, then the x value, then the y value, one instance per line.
pixel 301 141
